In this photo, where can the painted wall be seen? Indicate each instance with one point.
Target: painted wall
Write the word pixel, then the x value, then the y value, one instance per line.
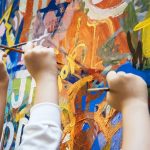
pixel 102 35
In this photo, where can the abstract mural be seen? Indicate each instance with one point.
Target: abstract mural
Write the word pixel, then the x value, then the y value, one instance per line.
pixel 90 37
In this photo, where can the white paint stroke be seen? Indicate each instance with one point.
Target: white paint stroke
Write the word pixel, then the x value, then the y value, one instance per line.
pixel 18 103
pixel 22 122
pixel 11 134
pixel 96 1
pixel 101 14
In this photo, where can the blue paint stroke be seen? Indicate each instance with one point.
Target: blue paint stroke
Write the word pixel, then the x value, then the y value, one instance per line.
pixel 116 140
pixel 13 55
pixel 116 119
pixel 96 101
pixel 16 68
pixel 85 127
pixel 72 78
pixel 83 103
pixel 144 74
pixel 99 142
pixel 2 7
pixel 59 10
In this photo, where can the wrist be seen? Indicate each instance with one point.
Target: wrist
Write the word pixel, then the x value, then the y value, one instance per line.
pixel 44 77
pixel 46 90
pixel 133 106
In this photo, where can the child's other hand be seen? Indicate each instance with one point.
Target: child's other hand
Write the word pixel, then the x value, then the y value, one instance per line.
pixel 3 72
pixel 40 61
pixel 125 90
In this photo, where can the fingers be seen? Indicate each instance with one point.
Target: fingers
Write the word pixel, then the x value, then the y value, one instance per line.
pixel 131 76
pixel 31 50
pixel 114 78
pixel 32 46
pixel 111 76
pixel 28 47
pixel 121 74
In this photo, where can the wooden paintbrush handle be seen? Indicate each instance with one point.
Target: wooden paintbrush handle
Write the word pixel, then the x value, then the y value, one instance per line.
pixel 11 49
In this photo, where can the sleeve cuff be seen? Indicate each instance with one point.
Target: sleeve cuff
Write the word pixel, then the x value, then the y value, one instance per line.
pixel 45 113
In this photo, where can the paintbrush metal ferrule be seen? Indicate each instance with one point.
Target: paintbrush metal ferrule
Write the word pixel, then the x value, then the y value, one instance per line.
pixel 98 89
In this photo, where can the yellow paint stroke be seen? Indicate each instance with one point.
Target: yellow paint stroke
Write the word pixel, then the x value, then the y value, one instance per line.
pixel 70 67
pixel 75 50
pixel 94 25
pixel 142 24
pixel 64 72
pixel 145 26
pixel 107 147
pixel 21 114
pixel 59 83
pixel 78 30
pixel 73 90
pixel 146 42
pixel 110 25
pixel 8 26
pixel 71 64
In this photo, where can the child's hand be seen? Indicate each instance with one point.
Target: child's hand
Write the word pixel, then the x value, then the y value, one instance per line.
pixel 40 61
pixel 125 90
pixel 41 64
pixel 3 72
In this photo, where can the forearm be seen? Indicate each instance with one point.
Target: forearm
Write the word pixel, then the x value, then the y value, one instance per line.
pixel 3 97
pixel 44 124
pixel 136 127
pixel 46 90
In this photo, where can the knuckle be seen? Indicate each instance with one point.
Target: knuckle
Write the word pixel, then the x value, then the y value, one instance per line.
pixel 121 74
pixel 131 76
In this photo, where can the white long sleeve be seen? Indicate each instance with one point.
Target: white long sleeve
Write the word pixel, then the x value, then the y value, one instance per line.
pixel 43 131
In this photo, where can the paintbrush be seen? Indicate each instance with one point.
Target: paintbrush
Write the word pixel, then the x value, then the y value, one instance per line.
pixel 21 51
pixel 24 43
pixel 11 49
pixel 98 89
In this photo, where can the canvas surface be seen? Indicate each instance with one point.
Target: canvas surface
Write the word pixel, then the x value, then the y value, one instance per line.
pixel 101 35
